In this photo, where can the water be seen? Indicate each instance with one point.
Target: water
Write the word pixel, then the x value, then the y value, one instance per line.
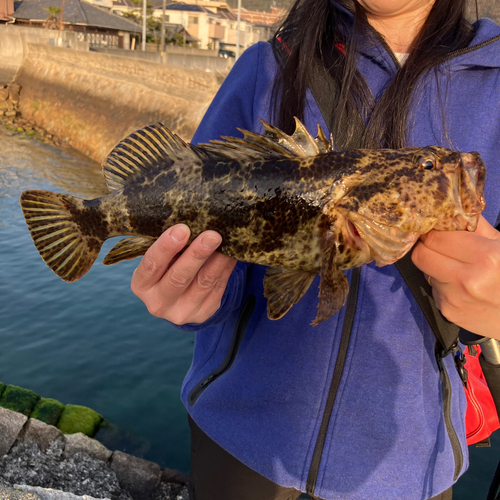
pixel 93 342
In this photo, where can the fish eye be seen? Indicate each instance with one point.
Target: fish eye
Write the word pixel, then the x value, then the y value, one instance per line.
pixel 427 163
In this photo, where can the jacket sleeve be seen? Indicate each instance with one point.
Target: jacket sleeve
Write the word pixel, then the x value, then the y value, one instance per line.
pixel 231 108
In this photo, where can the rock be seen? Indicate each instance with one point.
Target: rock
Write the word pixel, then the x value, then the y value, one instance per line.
pixel 36 431
pixel 4 93
pixel 139 477
pixel 50 494
pixel 170 491
pixel 47 410
pixel 16 494
pixel 79 442
pixel 14 90
pixel 4 105
pixel 11 112
pixel 16 398
pixel 80 474
pixel 174 476
pixel 76 418
pixel 11 424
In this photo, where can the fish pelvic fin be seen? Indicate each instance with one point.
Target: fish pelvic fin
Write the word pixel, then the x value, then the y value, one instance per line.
pixel 57 234
pixel 284 288
pixel 333 289
pixel 127 249
pixel 148 148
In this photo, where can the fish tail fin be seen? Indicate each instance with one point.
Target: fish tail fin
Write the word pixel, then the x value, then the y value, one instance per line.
pixel 57 234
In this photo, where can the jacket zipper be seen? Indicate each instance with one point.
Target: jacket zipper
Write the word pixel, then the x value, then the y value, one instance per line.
pixel 239 331
pixel 447 393
pixel 334 385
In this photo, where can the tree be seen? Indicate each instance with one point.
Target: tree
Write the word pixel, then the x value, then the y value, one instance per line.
pixel 52 21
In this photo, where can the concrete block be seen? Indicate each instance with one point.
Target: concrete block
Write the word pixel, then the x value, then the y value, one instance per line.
pixel 139 477
pixel 11 423
pixel 79 442
pixel 36 431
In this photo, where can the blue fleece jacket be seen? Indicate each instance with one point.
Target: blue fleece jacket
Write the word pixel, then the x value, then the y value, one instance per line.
pixel 262 396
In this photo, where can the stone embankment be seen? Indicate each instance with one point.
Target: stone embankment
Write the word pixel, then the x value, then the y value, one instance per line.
pixel 46 444
pixel 11 118
pixel 92 101
pixel 37 455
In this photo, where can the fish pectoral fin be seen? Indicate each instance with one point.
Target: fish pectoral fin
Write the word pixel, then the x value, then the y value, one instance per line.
pixel 284 288
pixel 127 249
pixel 333 290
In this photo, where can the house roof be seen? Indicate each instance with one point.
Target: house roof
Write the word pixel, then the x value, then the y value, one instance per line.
pixel 172 29
pixel 187 7
pixel 75 12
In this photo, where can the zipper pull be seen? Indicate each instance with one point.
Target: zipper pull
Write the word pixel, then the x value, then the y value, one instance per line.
pixel 207 380
pixel 460 361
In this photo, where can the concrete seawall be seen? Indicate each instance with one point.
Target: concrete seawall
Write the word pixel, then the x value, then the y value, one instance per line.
pixel 93 100
pixel 14 42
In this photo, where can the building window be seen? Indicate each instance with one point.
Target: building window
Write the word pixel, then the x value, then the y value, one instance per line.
pixel 192 20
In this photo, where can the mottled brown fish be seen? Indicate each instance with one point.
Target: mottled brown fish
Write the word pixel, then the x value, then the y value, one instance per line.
pixel 288 202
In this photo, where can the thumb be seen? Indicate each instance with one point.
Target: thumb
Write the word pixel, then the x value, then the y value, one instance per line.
pixel 486 230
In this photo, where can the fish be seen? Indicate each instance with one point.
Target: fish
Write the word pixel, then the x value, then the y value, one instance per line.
pixel 292 203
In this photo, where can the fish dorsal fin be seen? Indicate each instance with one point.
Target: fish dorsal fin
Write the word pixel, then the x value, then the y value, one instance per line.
pixel 273 143
pixel 324 145
pixel 148 148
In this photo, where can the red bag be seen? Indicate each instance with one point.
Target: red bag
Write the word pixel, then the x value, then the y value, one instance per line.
pixel 481 419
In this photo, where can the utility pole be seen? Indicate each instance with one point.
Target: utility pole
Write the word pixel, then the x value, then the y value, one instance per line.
pixel 59 39
pixel 144 2
pixel 162 39
pixel 238 32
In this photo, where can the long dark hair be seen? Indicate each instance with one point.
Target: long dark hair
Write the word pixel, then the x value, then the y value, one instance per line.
pixel 315 29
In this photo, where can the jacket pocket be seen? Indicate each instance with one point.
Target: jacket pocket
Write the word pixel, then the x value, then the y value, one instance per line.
pixel 450 430
pixel 239 331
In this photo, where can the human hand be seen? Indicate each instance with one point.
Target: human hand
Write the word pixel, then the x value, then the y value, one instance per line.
pixel 188 289
pixel 465 275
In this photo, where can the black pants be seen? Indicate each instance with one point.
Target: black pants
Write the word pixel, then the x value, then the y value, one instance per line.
pixel 217 475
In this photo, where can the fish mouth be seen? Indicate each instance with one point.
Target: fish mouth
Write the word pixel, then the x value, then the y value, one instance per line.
pixel 468 192
pixel 387 244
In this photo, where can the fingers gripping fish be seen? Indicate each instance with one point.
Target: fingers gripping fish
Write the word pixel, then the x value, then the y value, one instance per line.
pixel 292 203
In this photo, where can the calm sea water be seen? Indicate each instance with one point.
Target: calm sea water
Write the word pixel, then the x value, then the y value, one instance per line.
pixel 93 342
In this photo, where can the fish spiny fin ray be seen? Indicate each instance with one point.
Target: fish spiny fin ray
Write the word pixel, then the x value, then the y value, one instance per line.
pixel 149 148
pixel 333 288
pixel 325 146
pixel 127 249
pixel 56 234
pixel 273 143
pixel 284 288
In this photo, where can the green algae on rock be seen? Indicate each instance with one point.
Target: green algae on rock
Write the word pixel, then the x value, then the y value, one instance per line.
pixel 18 399
pixel 48 410
pixel 77 418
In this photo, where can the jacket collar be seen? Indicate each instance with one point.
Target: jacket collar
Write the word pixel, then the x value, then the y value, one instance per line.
pixel 484 50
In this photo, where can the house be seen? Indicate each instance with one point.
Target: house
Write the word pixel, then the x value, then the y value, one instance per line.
pixel 200 22
pixel 92 23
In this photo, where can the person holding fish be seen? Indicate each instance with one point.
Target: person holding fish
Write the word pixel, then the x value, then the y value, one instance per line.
pixel 289 392
pixel 267 425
